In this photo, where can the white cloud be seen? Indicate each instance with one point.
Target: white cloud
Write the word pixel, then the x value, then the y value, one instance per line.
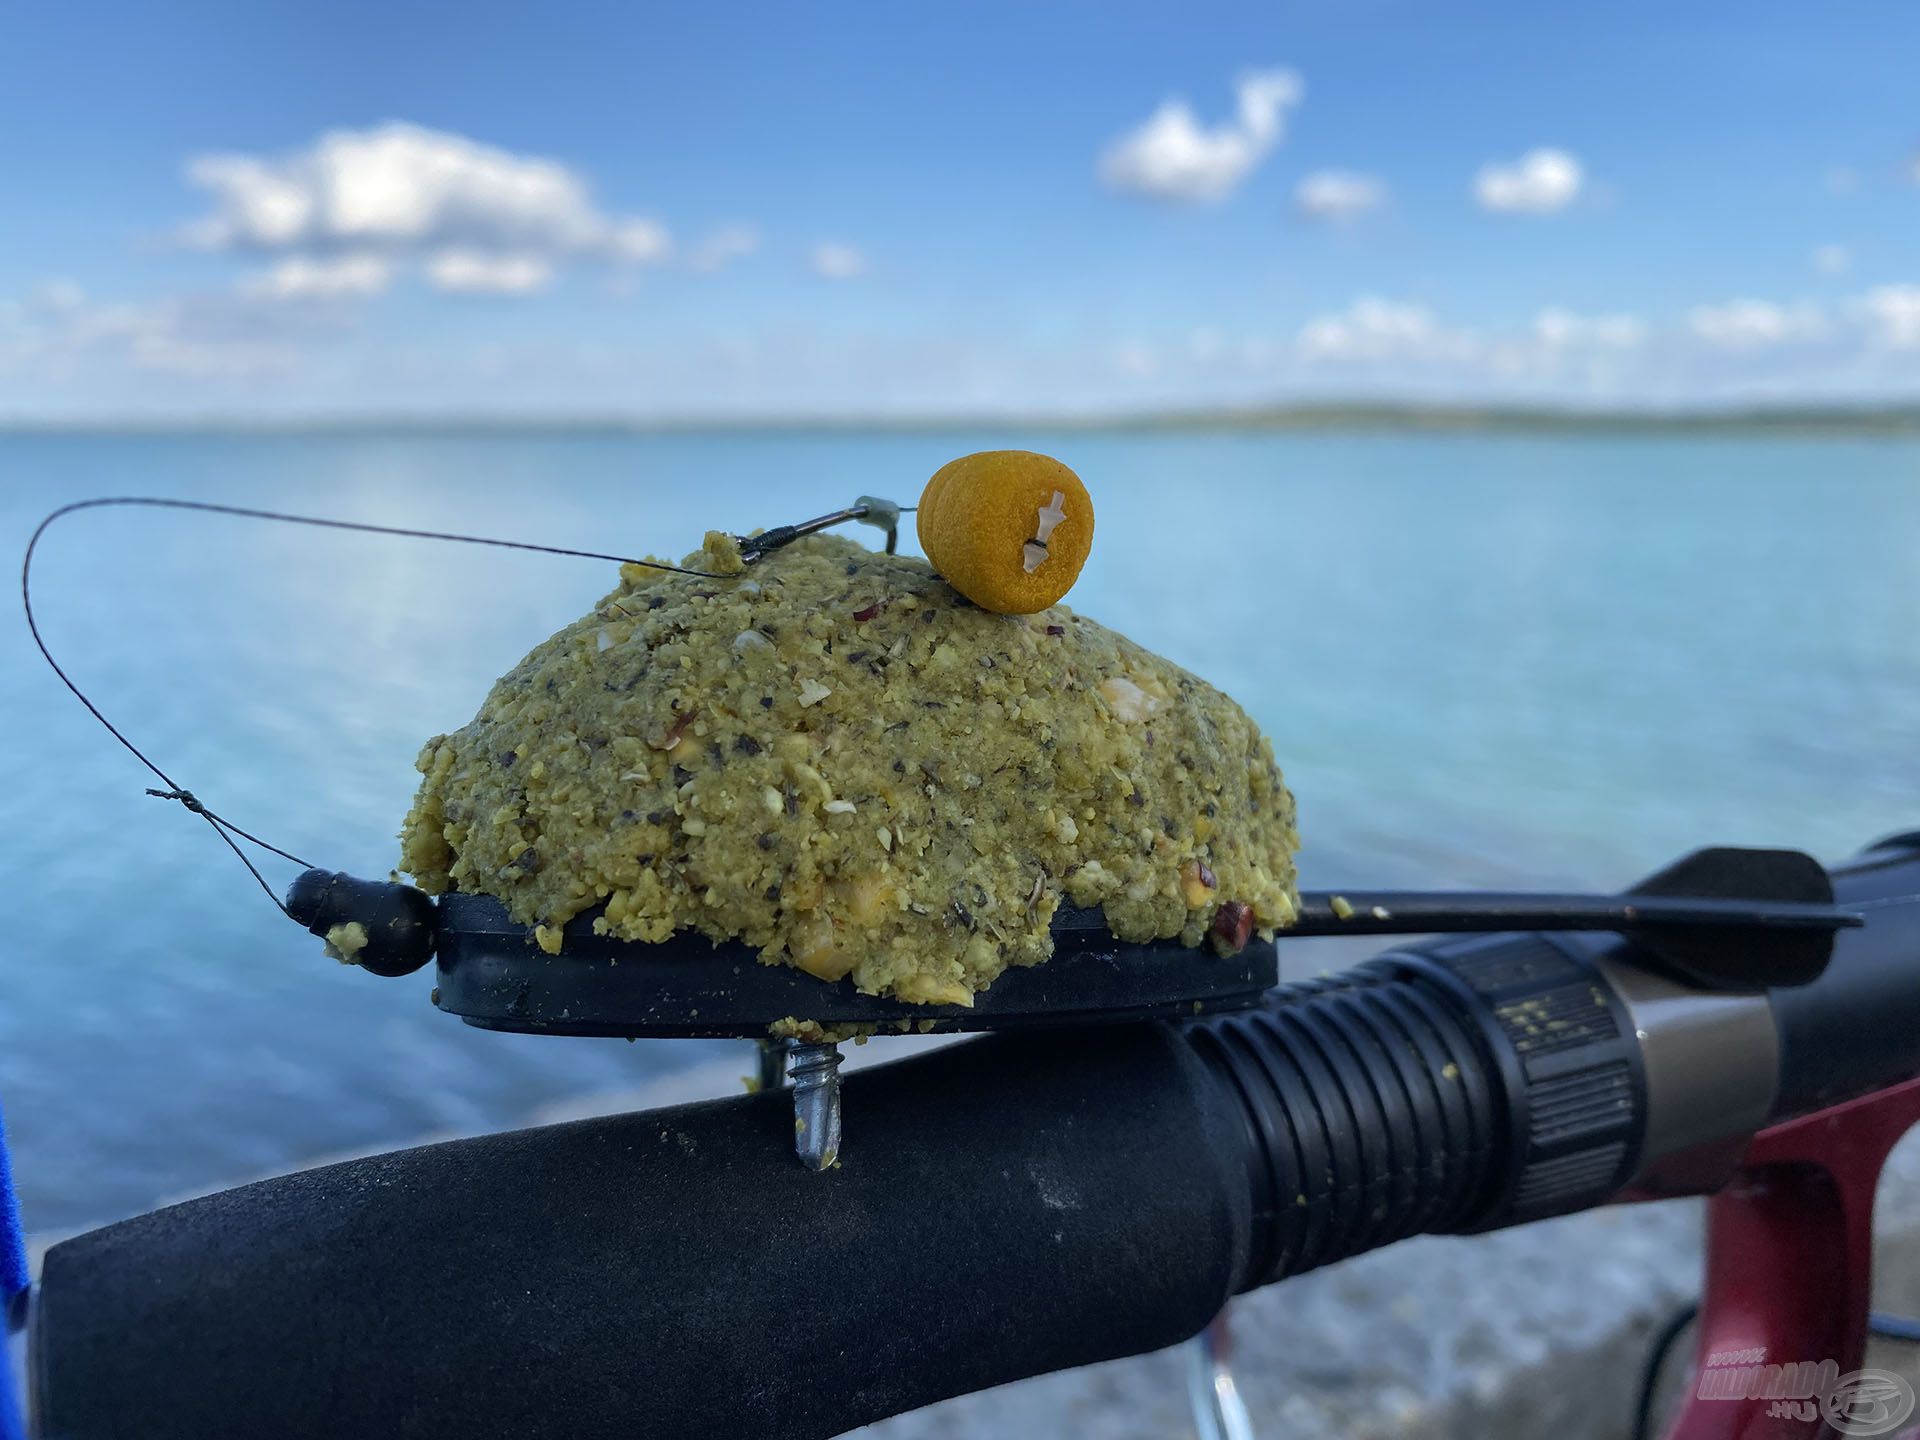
pixel 1338 195
pixel 1832 259
pixel 639 242
pixel 723 247
pixel 1136 359
pixel 1893 314
pixel 476 272
pixel 400 188
pixel 832 260
pixel 1842 181
pixel 1172 157
pixel 60 332
pixel 1562 344
pixel 56 295
pixel 1538 183
pixel 1748 325
pixel 1559 329
pixel 304 277
pixel 1372 328
pixel 254 204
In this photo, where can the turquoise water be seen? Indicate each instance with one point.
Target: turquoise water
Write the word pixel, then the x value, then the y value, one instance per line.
pixel 1481 660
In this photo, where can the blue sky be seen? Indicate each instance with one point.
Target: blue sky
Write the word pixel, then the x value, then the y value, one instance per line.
pixel 846 208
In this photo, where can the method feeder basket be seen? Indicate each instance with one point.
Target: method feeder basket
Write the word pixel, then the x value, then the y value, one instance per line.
pixel 1725 918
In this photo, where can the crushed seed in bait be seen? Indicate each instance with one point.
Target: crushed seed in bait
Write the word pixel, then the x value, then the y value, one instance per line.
pixel 345 942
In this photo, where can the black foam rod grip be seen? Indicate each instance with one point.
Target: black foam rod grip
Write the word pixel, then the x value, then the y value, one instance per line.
pixel 1004 1207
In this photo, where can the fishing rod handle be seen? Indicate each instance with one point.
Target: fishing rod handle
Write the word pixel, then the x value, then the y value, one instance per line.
pixel 1005 1207
pixel 1857 1028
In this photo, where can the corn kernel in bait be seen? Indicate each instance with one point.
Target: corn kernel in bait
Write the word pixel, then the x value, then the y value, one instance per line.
pixel 1008 529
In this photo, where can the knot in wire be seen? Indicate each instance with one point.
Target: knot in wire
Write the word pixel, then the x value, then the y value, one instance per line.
pixel 185 797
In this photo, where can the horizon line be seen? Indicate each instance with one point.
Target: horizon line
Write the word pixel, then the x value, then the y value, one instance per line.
pixel 1875 417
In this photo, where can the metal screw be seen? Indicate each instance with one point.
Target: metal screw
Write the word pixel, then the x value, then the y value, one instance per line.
pixel 814 1071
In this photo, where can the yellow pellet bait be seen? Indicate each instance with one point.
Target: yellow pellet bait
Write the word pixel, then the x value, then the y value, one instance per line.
pixel 1008 529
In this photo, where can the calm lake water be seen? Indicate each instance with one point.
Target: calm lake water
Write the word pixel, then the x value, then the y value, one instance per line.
pixel 1481 659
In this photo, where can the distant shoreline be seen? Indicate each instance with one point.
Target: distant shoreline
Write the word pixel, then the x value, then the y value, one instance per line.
pixel 1756 420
